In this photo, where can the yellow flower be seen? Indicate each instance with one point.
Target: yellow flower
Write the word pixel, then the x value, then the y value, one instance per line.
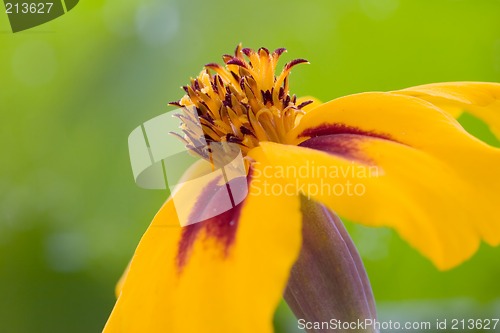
pixel 408 163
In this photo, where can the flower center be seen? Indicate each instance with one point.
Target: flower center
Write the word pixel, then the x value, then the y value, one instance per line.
pixel 243 102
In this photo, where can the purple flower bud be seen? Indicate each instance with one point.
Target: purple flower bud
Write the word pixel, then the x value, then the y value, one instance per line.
pixel 328 281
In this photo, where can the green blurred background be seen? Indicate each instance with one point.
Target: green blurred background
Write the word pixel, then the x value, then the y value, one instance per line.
pixel 73 89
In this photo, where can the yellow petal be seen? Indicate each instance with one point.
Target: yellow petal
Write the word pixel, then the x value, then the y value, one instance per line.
pixel 307 108
pixel 121 281
pixel 433 182
pixel 219 288
pixel 315 102
pixel 482 99
pixel 376 114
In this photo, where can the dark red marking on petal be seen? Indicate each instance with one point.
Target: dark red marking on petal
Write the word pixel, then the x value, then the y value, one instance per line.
pixel 342 145
pixel 335 129
pixel 222 227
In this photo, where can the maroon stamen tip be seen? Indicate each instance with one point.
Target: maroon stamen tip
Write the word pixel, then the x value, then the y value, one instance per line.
pixel 301 105
pixel 212 65
pixel 237 62
pixel 208 118
pixel 214 85
pixel 279 51
pixel 245 130
pixel 295 62
pixel 266 96
pixel 233 138
pixel 236 76
pixel 205 105
pixel 263 49
pixel 178 115
pixel 286 101
pixel 227 101
pixel 247 51
pixel 181 117
pixel 226 58
pixel 178 136
pixel 196 84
